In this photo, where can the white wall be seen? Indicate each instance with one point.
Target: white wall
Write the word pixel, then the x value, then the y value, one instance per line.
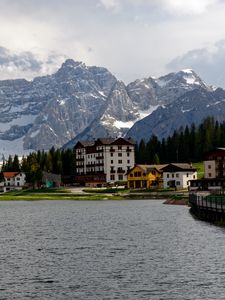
pixel 181 178
pixel 120 158
pixel 115 159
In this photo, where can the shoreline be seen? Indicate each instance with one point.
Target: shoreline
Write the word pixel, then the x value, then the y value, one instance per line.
pixel 170 197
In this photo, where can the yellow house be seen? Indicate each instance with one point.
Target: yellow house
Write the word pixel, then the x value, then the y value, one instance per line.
pixel 144 176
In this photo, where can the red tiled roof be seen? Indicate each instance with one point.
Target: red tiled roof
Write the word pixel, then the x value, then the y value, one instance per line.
pixel 10 174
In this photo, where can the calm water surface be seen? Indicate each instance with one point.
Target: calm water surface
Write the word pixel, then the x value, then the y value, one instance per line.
pixel 108 250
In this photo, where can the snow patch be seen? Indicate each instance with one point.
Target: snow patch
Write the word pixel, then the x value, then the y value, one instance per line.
pixel 185 110
pixel 61 101
pixel 216 103
pixel 35 133
pixel 21 121
pixel 12 147
pixel 120 124
pixel 147 112
pixel 102 94
pixel 162 82
pixel 188 71
pixel 191 80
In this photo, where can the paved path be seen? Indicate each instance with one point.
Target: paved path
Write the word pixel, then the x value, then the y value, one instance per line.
pixel 76 190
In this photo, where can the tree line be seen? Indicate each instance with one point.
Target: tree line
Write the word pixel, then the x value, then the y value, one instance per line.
pixel 187 144
pixel 55 161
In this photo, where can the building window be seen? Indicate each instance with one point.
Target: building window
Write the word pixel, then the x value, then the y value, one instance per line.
pixel 128 153
pixel 178 183
pixel 128 168
pixel 112 177
pixel 209 166
pixel 187 175
pixel 172 175
pixel 111 154
pixel 177 175
pixel 168 175
pixel 111 161
pixel 131 175
pixel 210 174
pixel 128 161
pixel 120 161
pixel 193 176
pixel 119 147
pixel 120 177
pixel 120 154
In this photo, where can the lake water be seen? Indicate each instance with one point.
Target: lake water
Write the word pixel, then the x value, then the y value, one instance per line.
pixel 138 249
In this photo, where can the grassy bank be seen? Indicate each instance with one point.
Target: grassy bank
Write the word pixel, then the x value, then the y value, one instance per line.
pixel 13 196
pixel 200 169
pixel 91 194
pixel 51 194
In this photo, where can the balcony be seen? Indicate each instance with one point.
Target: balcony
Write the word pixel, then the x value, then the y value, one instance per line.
pixel 121 171
pixel 112 171
pixel 90 165
pixel 100 157
pixel 99 164
pixel 80 159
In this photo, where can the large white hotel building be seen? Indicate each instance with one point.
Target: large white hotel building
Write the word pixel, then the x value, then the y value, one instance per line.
pixel 103 161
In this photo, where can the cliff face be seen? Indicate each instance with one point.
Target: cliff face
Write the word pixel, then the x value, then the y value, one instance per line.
pixel 81 102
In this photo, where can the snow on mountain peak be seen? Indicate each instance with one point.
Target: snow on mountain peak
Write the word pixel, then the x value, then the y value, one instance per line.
pixel 188 71
pixel 81 101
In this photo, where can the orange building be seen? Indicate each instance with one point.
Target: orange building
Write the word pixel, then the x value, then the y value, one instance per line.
pixel 145 176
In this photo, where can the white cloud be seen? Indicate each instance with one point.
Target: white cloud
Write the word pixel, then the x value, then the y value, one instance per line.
pixel 27 64
pixel 173 7
pixel 208 62
pixel 132 38
pixel 114 5
pixel 185 7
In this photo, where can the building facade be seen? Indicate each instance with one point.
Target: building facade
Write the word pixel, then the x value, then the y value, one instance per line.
pixel 103 161
pixel 178 175
pixel 214 173
pixel 214 164
pixel 13 181
pixel 145 176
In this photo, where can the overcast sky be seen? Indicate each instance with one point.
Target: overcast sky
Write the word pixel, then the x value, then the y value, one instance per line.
pixel 132 38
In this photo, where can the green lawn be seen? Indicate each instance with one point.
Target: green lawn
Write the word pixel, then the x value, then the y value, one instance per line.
pixel 200 169
pixel 51 194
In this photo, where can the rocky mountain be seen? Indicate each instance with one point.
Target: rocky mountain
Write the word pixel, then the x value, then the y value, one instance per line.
pixel 51 110
pixel 192 107
pixel 81 102
pixel 126 105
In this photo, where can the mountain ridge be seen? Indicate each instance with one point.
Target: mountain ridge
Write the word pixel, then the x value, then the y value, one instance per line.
pixel 84 102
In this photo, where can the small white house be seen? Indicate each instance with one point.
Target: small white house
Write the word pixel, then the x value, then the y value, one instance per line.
pixel 13 181
pixel 178 175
